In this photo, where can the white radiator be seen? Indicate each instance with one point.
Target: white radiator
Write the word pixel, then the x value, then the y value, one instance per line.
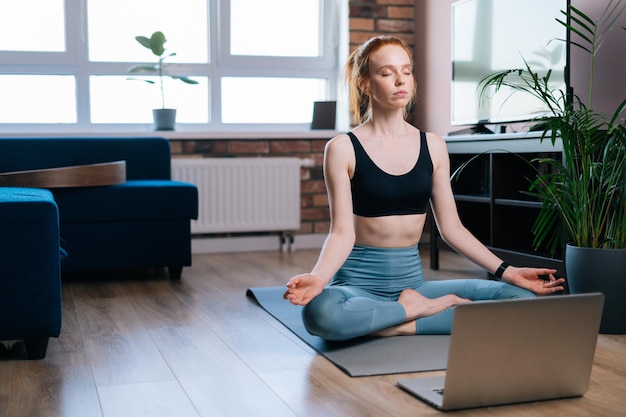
pixel 243 194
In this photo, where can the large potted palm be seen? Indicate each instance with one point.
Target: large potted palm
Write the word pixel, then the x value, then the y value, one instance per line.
pixel 164 118
pixel 583 195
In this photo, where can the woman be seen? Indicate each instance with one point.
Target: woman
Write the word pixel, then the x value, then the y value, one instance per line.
pixel 380 178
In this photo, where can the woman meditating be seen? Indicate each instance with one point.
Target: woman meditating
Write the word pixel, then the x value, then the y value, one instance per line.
pixel 380 178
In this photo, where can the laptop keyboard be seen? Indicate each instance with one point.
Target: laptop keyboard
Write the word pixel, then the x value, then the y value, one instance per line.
pixel 439 391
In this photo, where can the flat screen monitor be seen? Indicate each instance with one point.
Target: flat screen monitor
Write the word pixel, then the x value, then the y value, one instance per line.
pixel 494 35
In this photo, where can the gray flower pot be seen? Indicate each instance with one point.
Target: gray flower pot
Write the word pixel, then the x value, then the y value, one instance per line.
pixel 164 119
pixel 600 270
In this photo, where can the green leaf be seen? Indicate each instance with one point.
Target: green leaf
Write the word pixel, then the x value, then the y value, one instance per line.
pixel 575 11
pixel 141 79
pixel 145 42
pixel 142 68
pixel 157 43
pixel 184 79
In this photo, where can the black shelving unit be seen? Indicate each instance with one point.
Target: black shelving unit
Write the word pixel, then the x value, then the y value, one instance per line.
pixel 490 196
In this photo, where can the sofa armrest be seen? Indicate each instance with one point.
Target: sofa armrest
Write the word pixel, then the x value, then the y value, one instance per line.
pixel 30 283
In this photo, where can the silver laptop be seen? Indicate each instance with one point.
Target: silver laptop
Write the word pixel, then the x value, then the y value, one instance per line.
pixel 512 351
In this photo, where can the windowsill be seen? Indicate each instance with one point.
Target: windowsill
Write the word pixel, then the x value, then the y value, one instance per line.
pixel 190 135
pixel 247 135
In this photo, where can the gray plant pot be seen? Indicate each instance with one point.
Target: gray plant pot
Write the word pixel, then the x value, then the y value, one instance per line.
pixel 600 270
pixel 164 119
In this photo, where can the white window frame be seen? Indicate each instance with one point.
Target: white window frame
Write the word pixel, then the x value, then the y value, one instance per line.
pixel 75 61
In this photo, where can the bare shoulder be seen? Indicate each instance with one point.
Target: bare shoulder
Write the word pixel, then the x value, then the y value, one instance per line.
pixel 340 138
pixel 434 140
pixel 339 154
pixel 436 146
pixel 340 144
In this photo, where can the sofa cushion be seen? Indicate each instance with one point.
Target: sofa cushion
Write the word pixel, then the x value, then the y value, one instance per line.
pixel 133 200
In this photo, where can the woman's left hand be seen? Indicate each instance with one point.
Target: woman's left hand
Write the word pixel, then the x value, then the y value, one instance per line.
pixel 531 279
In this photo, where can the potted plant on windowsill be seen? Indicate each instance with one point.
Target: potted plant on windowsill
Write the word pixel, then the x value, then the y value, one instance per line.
pixel 583 195
pixel 164 118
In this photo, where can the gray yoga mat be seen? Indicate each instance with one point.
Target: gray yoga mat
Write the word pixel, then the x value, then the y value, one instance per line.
pixel 364 356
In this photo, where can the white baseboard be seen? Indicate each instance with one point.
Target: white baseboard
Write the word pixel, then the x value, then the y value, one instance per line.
pixel 202 244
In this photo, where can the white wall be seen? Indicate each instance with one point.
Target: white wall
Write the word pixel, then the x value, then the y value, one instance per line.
pixel 610 78
pixel 433 66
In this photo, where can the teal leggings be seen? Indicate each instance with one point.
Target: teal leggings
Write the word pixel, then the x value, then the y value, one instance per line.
pixel 362 298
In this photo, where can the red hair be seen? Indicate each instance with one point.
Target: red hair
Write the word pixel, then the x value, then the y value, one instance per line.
pixel 358 68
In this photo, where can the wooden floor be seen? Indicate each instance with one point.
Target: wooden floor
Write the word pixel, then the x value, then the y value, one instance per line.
pixel 137 344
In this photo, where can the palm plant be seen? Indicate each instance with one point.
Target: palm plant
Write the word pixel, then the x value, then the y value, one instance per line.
pixel 156 44
pixel 583 195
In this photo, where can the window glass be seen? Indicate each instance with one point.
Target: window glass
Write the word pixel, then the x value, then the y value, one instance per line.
pixel 32 25
pixel 66 62
pixel 37 99
pixel 270 100
pixel 113 25
pixel 275 28
pixel 139 98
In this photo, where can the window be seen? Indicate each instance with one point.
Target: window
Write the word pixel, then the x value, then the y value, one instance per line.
pixel 291 99
pixel 64 63
pixel 274 34
pixel 42 31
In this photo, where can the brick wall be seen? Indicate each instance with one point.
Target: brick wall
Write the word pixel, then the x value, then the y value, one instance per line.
pixel 378 17
pixel 367 18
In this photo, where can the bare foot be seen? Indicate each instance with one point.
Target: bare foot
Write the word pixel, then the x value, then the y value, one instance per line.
pixel 416 305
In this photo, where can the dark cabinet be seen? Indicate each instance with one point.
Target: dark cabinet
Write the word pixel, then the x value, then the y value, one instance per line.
pixel 490 194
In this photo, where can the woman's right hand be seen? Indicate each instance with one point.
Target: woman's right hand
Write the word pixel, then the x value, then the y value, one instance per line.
pixel 303 288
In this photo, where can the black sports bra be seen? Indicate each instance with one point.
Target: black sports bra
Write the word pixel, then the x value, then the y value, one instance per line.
pixel 376 193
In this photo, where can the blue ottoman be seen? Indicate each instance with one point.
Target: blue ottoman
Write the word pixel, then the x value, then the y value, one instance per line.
pixel 30 276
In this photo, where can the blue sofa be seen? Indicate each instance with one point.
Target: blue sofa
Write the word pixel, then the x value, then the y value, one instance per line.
pixel 30 279
pixel 141 223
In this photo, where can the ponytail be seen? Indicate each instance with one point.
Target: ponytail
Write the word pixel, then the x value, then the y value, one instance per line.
pixel 359 101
